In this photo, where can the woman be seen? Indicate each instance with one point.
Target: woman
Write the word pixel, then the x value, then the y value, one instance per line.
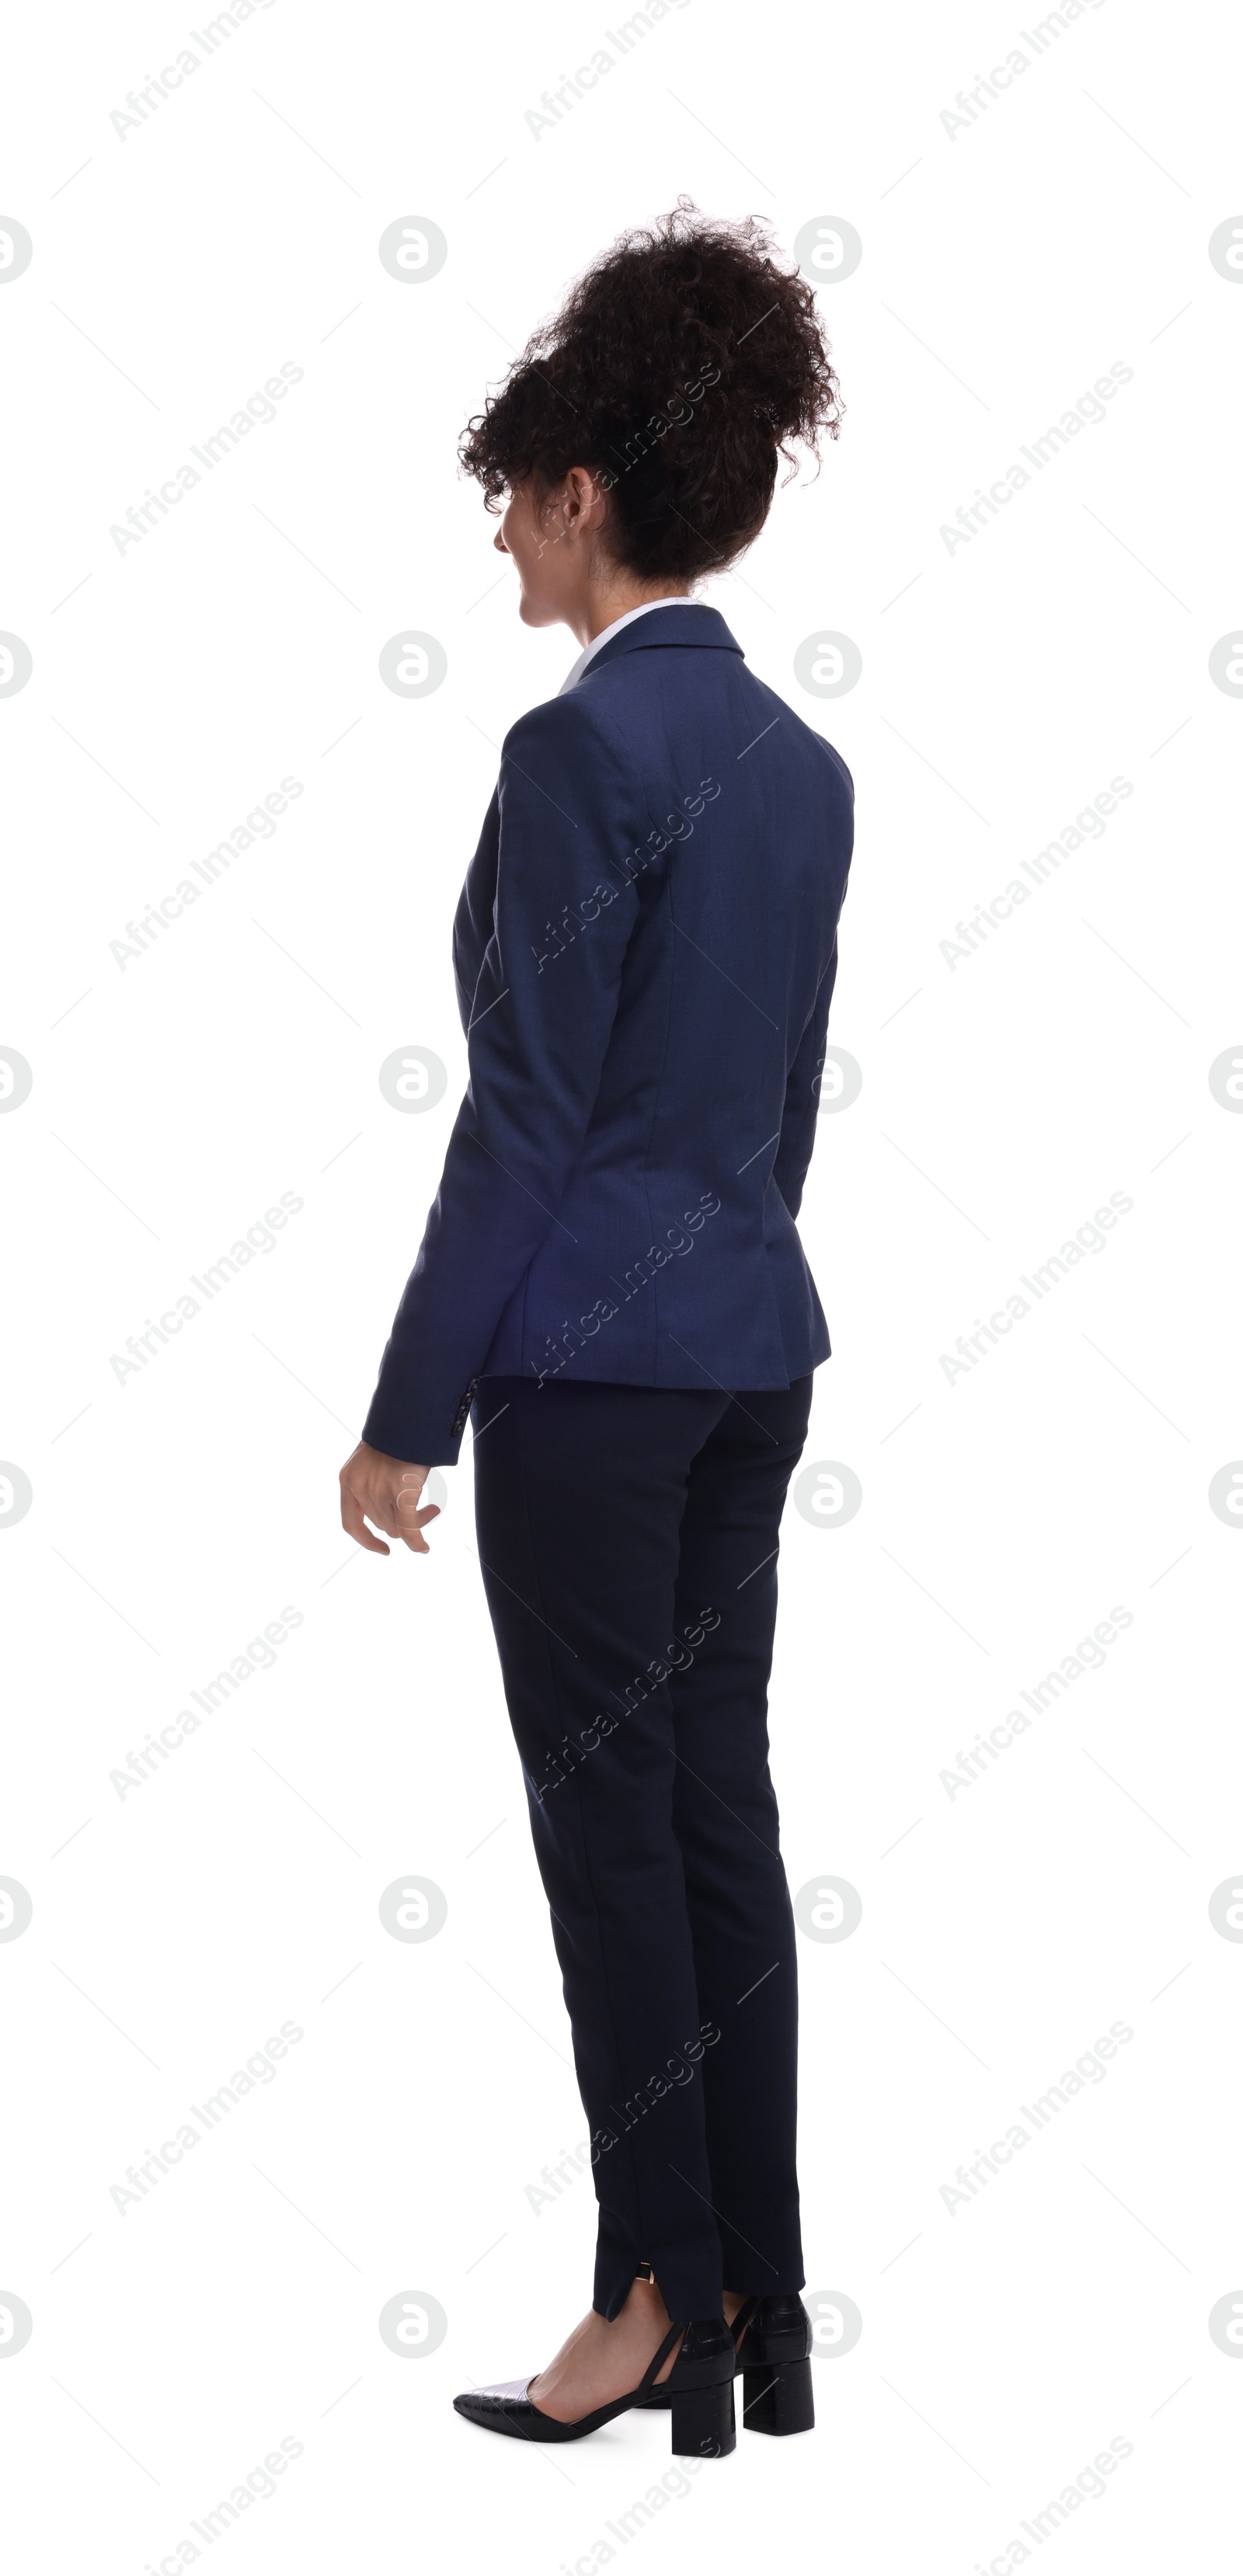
pixel 611 1285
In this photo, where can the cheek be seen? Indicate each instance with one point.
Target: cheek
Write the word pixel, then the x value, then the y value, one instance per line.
pixel 516 531
pixel 530 547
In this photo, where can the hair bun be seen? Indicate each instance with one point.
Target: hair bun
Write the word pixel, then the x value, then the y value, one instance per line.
pixel 681 366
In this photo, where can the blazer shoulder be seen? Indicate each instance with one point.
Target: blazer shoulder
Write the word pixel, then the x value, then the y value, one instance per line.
pixel 567 723
pixel 577 742
pixel 839 764
pixel 816 745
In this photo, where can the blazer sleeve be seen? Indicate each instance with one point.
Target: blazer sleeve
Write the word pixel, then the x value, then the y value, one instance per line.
pixel 802 1100
pixel 802 1097
pixel 541 1015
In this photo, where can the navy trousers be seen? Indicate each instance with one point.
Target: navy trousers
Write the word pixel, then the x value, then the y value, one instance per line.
pixel 629 1544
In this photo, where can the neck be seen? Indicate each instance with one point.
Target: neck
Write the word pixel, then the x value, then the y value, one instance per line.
pixel 600 607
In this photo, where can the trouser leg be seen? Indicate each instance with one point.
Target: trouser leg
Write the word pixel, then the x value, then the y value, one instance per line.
pixel 580 1495
pixel 725 1818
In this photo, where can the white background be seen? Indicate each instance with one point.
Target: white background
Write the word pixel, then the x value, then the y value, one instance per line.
pixel 175 1098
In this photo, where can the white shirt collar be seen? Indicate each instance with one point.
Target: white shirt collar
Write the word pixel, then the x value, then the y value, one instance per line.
pixel 572 677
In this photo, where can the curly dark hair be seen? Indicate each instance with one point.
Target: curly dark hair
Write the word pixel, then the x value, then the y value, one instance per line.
pixel 680 367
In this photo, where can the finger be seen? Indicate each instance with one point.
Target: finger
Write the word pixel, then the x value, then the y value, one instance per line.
pixel 353 1522
pixel 413 1539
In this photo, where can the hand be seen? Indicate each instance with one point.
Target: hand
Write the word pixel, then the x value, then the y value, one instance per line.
pixel 387 1492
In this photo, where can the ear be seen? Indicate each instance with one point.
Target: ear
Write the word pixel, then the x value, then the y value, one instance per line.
pixel 583 498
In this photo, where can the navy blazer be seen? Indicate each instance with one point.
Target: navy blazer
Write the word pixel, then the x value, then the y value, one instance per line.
pixel 644 950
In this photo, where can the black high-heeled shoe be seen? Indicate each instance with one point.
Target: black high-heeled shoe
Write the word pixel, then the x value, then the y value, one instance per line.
pixel 699 2393
pixel 772 2344
pixel 774 2356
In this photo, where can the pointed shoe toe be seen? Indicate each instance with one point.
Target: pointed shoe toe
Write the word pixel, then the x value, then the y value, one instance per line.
pixel 503 2408
pixel 700 2390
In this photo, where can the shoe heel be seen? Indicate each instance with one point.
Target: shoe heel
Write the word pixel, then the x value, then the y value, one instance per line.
pixel 777 2398
pixel 703 2421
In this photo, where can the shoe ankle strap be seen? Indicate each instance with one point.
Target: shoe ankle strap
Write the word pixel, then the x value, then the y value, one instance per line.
pixel 671 2342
